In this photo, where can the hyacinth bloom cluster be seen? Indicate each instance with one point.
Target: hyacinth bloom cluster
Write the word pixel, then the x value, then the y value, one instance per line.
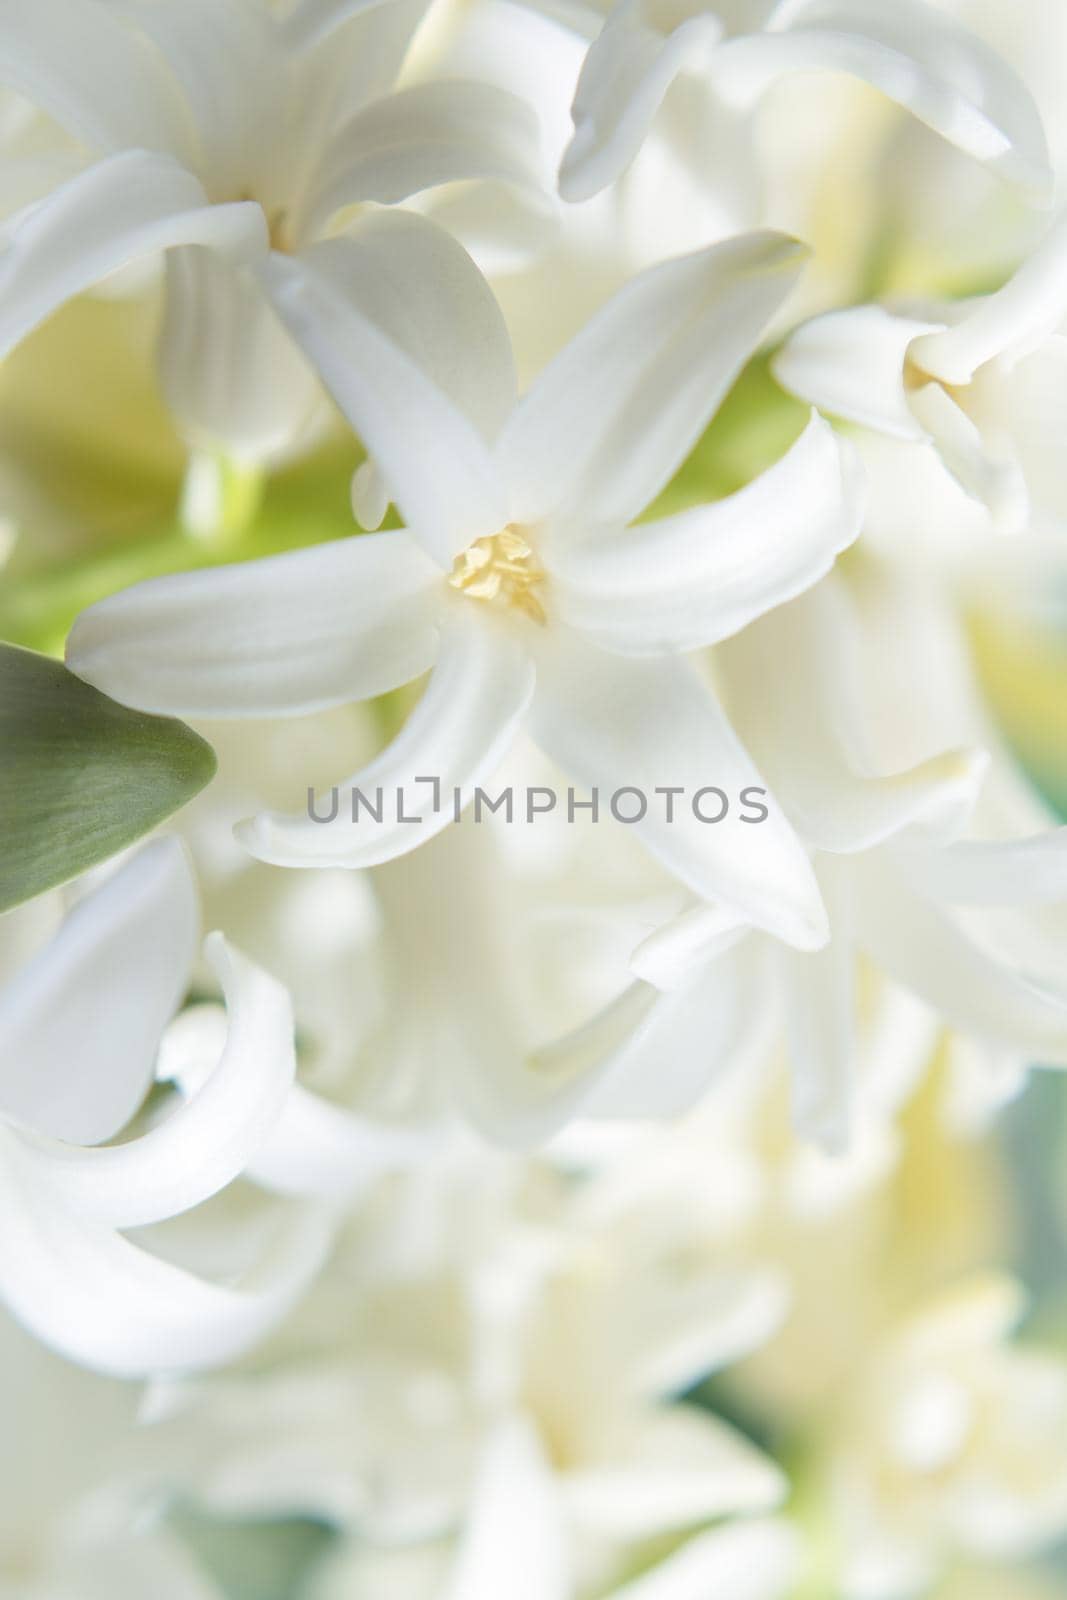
pixel 539 529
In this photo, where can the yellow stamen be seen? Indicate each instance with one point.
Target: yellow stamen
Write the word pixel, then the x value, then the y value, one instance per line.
pixel 500 568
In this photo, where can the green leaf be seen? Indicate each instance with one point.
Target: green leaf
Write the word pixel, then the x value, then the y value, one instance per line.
pixel 80 777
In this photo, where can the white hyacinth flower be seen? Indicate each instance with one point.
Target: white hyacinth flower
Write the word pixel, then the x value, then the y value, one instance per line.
pixel 223 134
pixel 951 1445
pixel 975 381
pixel 523 579
pixel 80 1027
pixel 499 1348
pixel 959 919
pixel 910 51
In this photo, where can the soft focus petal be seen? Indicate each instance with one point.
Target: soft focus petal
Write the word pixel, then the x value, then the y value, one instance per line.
pixel 456 736
pixel 921 947
pixel 207 1142
pixel 629 68
pixel 811 737
pixel 231 375
pixel 756 1560
pixel 434 459
pixel 461 936
pixel 613 723
pixel 673 1468
pixel 124 209
pixel 987 474
pixel 851 363
pixel 101 1301
pixel 927 62
pixel 818 991
pixel 289 634
pixel 698 1323
pixel 607 423
pixel 676 953
pixel 370 495
pixel 1010 872
pixel 686 1041
pixel 920 58
pixel 418 138
pixel 320 1151
pixel 518 1098
pixel 1010 323
pixel 343 55
pixel 226 60
pixel 515 1540
pixel 695 578
pixel 77 61
pixel 80 1024
pixel 314 22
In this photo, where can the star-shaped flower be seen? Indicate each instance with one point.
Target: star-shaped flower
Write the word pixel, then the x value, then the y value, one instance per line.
pixel 523 578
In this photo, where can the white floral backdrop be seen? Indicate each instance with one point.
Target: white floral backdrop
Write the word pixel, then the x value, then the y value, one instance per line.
pixel 533 728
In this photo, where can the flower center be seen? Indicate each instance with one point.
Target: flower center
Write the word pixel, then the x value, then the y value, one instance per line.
pixel 501 568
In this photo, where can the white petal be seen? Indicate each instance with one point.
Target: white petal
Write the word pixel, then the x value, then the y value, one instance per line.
pixel 342 54
pixel 231 375
pixel 320 1151
pixel 698 577
pixel 423 292
pixel 674 1468
pixel 756 1560
pixel 433 457
pixel 1011 872
pixel 288 634
pixel 611 722
pixel 1010 323
pixel 851 363
pixel 617 411
pixel 313 22
pixel 209 1141
pixel 818 992
pixel 78 62
pixel 123 209
pixel 644 1055
pixel 994 480
pixel 519 1099
pixel 81 1023
pixel 101 1301
pixel 457 734
pixel 698 1322
pixel 419 138
pixel 925 61
pixel 687 1041
pixel 227 60
pixel 921 947
pixel 515 1541
pixel 370 495
pixel 469 954
pixel 676 953
pixel 628 70
pixel 811 738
